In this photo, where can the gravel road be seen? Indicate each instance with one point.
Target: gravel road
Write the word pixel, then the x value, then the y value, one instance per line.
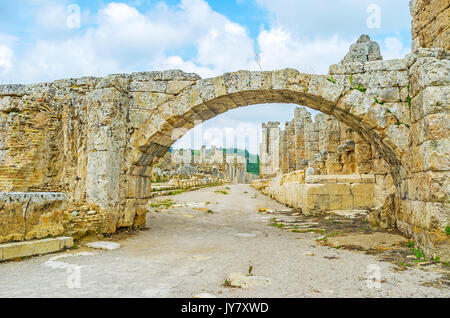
pixel 191 250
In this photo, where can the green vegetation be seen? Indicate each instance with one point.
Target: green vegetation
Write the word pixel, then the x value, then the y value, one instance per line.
pixel 361 88
pixel 408 99
pixel 398 123
pixel 378 102
pixel 358 87
pixel 330 220
pixel 252 163
pixel 166 203
pixel 447 230
pixel 319 231
pixel 419 254
pixel 331 79
pixel 227 283
pixel 274 223
pixel 75 246
pixel 221 192
pixel 175 192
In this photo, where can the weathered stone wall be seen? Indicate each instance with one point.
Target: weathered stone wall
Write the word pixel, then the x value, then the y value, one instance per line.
pixel 315 194
pixel 326 145
pixel 37 215
pixel 425 205
pixel 70 136
pixel 430 23
pixel 329 148
pixel 419 109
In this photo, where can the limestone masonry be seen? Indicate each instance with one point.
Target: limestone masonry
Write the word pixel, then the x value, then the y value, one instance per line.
pixel 431 23
pixel 90 143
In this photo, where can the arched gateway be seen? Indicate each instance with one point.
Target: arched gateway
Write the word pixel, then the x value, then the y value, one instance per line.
pixel 87 145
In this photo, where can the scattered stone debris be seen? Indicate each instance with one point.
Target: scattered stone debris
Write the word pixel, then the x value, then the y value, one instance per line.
pixel 383 217
pixel 240 280
pixel 246 235
pixel 104 245
pixel 205 295
pixel 351 230
pixel 193 205
pixel 377 240
pixel 200 258
pixel 331 257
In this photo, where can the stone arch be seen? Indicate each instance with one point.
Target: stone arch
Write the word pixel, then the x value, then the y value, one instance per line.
pixel 381 100
pixel 214 96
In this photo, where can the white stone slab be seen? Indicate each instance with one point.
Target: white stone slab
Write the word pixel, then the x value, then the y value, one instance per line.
pixel 104 245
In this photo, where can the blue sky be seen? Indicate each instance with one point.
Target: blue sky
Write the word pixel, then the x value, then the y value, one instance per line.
pixel 39 41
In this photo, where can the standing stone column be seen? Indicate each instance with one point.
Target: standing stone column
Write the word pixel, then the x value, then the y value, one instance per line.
pixel 269 150
pixel 106 140
pixel 291 150
pixel 312 140
pixel 203 155
pixel 333 139
pixel 300 116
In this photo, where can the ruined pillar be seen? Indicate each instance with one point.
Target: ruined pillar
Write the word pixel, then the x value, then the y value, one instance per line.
pixel 333 140
pixel 300 116
pixel 269 149
pixel 203 155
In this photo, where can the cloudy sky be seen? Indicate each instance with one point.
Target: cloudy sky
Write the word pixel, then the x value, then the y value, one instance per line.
pixel 45 40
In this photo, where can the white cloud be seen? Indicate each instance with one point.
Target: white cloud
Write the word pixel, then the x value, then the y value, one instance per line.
pixel 223 131
pixel 124 40
pixel 326 17
pixel 6 54
pixel 177 62
pixel 393 48
pixel 280 49
pixel 6 57
pixel 228 48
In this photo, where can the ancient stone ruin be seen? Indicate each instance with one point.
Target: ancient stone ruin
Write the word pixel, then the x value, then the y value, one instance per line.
pixel 76 155
pixel 231 167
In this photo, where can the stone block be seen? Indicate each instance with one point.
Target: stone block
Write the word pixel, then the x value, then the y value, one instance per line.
pixel 386 65
pixel 356 178
pixel 434 155
pixel 327 91
pixel 28 215
pixel 37 247
pixel 148 86
pixel 363 195
pixel 431 127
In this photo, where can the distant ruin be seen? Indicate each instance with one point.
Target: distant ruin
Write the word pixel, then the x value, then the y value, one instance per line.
pixel 230 165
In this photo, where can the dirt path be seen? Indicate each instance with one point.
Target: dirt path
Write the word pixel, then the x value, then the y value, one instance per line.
pixel 191 250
